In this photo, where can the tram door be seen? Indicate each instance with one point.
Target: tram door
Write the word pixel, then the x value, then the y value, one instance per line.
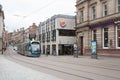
pixel 81 45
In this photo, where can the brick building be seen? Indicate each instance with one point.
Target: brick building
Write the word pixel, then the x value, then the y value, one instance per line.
pixel 98 20
pixel 33 30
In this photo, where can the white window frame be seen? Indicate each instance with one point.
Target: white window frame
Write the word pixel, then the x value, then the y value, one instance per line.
pixel 117 38
pixel 103 41
pixel 117 10
pixel 93 13
pixel 82 16
pixel 105 3
pixel 93 35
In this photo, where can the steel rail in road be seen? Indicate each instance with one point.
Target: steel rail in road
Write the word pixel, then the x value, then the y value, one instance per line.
pixel 27 61
pixel 22 60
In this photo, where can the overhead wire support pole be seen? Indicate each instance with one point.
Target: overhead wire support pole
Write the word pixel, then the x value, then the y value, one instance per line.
pixel 76 43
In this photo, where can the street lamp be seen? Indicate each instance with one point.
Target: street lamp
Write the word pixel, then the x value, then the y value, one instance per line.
pixel 2 43
pixel 76 43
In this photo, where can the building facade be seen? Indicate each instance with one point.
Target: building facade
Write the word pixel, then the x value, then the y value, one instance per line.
pixel 1 27
pixel 98 20
pixel 57 34
pixel 17 36
pixel 33 32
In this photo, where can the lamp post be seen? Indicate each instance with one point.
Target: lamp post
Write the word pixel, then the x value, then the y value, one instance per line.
pixel 3 35
pixel 76 43
pixel 2 43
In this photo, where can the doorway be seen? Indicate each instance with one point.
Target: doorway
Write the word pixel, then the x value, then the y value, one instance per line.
pixel 81 45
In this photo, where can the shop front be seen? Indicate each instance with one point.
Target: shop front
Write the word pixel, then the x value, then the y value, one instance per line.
pixel 65 49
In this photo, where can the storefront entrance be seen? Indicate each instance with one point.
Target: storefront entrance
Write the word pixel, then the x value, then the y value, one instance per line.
pixel 81 45
pixel 54 50
pixel 65 49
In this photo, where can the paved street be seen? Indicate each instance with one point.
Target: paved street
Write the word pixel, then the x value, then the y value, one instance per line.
pixel 14 66
pixel 13 71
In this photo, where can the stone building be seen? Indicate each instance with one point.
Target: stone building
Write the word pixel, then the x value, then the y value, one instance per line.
pixel 5 38
pixel 98 20
pixel 23 35
pixel 17 36
pixel 1 27
pixel 57 34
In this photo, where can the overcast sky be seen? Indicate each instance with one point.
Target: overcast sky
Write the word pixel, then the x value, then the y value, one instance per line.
pixel 22 13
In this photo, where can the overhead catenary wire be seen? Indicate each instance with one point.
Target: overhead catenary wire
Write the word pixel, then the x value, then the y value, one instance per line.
pixel 41 8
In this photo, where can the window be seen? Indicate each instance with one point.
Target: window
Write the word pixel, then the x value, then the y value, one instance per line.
pixel 43 37
pixel 81 16
pixel 53 35
pixel 105 12
pixel 118 36
pixel 118 5
pixel 94 35
pixel 48 36
pixel 105 31
pixel 93 12
pixel 40 37
pixel 66 32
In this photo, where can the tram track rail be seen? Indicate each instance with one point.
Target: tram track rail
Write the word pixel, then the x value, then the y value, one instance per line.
pixel 11 56
pixel 26 60
pixel 102 67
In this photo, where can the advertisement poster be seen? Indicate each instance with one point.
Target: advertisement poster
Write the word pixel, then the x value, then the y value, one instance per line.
pixel 93 48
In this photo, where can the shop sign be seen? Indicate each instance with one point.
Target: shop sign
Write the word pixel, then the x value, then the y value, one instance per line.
pixel 102 25
pixel 117 22
pixel 62 23
pixel 75 47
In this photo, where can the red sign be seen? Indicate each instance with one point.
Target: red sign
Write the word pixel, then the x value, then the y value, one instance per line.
pixel 62 23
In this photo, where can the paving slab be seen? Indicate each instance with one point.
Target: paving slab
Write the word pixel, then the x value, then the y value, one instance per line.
pixel 13 71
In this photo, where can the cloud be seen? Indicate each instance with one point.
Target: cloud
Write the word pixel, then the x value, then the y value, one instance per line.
pixel 22 13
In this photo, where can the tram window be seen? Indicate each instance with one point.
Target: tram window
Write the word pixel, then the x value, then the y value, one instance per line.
pixel 35 42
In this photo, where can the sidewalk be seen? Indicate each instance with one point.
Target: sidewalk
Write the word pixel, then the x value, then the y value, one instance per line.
pixel 13 71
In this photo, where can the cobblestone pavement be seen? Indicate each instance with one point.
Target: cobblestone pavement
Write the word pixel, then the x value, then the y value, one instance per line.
pixel 13 71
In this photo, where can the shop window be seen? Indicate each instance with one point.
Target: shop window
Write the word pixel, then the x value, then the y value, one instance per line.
pixel 66 32
pixel 94 35
pixel 105 37
pixel 118 36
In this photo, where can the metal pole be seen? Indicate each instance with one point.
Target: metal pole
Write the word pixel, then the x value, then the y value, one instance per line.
pixel 2 43
pixel 76 52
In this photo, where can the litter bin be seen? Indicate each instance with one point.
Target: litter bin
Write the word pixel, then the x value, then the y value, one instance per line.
pixel 75 52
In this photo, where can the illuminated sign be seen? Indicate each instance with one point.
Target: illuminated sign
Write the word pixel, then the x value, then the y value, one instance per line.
pixel 62 23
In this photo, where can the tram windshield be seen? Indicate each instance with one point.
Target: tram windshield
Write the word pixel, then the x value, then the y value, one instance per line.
pixel 35 47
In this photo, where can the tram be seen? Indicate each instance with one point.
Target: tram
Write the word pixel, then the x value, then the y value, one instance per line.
pixel 31 48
